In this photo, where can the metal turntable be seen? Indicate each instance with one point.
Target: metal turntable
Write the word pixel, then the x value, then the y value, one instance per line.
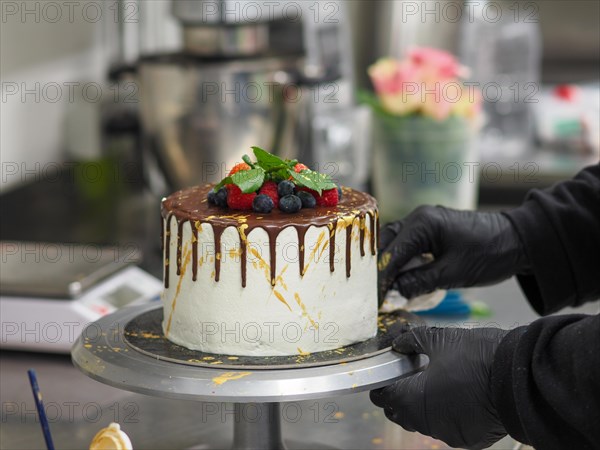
pixel 127 350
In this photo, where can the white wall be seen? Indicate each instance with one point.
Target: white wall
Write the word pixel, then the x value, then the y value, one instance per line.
pixel 44 45
pixel 39 56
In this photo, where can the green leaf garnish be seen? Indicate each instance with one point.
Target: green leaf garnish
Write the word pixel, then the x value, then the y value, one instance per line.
pixel 247 160
pixel 312 180
pixel 247 180
pixel 267 160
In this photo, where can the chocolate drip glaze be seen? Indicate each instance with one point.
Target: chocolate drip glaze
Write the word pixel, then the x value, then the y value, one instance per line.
pixel 179 243
pixel 167 247
pixel 272 257
pixel 362 235
pixel 373 232
pixel 332 233
pixel 218 231
pixel 194 252
pixel 301 235
pixel 243 247
pixel 191 205
pixel 348 244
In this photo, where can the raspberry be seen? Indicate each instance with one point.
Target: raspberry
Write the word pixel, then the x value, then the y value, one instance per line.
pixel 327 198
pixel 238 167
pixel 238 200
pixel 299 167
pixel 269 188
pixel 310 191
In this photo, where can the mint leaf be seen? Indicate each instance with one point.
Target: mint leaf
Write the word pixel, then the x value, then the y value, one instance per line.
pixel 266 160
pixel 312 180
pixel 249 180
pixel 223 182
pixel 248 161
pixel 278 175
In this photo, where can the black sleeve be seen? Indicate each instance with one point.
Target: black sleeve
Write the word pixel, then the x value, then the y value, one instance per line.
pixel 546 382
pixel 560 229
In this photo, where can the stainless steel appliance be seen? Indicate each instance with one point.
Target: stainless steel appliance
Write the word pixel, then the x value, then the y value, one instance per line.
pixel 274 74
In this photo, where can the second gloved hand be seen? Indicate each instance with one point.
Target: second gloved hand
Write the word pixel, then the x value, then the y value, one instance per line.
pixel 451 399
pixel 469 248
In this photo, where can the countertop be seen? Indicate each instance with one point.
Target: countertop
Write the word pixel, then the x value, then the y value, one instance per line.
pixel 78 406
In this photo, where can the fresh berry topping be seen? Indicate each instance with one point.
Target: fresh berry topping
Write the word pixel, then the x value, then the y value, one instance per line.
pixel 285 188
pixel 308 201
pixel 328 198
pixel 300 167
pixel 340 192
pixel 212 197
pixel 276 178
pixel 239 167
pixel 262 204
pixel 221 198
pixel 270 188
pixel 290 204
pixel 315 194
pixel 238 200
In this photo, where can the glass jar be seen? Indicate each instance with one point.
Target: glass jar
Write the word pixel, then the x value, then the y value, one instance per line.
pixel 420 161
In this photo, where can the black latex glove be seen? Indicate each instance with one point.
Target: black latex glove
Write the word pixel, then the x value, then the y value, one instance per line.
pixel 451 399
pixel 469 248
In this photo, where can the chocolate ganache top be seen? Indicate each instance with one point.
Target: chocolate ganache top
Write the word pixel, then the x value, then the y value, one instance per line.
pixel 191 205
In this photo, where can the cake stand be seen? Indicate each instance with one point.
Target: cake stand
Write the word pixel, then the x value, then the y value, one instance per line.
pixel 104 353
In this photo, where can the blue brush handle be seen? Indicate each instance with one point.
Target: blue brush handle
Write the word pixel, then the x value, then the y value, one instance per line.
pixel 39 404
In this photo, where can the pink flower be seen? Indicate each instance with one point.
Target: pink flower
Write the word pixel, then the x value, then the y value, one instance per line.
pixel 437 101
pixel 427 82
pixel 436 63
pixel 389 75
pixel 469 103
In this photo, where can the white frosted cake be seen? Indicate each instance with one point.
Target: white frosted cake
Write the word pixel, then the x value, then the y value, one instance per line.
pixel 265 284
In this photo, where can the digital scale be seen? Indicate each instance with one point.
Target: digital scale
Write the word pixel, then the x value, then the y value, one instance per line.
pixel 50 292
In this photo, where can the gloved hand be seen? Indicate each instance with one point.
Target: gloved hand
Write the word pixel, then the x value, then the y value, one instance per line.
pixel 469 248
pixel 451 399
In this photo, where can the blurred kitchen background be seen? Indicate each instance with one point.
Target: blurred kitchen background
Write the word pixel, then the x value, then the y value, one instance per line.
pixel 107 106
pixel 140 98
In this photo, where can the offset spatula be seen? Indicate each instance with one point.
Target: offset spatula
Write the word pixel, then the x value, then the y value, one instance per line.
pixel 413 263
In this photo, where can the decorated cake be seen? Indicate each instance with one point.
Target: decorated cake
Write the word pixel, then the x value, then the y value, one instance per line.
pixel 273 260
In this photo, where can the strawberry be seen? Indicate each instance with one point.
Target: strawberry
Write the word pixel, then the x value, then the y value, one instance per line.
pixel 299 167
pixel 239 167
pixel 270 188
pixel 236 199
pixel 327 198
